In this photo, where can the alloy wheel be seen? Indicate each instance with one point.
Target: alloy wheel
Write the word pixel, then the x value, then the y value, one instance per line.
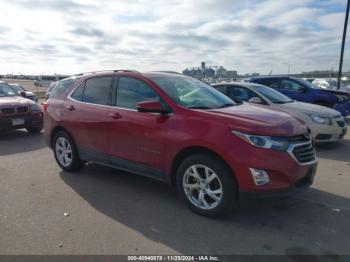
pixel 202 187
pixel 64 151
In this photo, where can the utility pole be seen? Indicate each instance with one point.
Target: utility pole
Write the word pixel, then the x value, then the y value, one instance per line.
pixel 343 43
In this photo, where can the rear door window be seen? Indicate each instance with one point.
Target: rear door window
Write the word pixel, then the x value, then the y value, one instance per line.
pixel 78 92
pixel 98 91
pixel 240 94
pixel 291 85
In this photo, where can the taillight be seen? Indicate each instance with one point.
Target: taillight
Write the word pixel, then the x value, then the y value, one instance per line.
pixel 45 106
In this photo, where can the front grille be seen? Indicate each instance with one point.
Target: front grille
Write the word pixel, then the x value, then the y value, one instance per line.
pixel 341 123
pixel 304 153
pixel 22 109
pixel 323 137
pixel 298 139
pixel 8 110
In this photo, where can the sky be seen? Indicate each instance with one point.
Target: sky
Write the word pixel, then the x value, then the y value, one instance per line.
pixel 73 36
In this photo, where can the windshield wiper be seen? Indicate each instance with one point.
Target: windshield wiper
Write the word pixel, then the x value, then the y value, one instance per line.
pixel 283 102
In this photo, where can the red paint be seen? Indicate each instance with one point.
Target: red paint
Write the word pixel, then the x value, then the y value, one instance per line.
pixel 156 139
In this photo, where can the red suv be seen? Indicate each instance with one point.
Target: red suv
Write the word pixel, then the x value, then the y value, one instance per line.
pixel 180 130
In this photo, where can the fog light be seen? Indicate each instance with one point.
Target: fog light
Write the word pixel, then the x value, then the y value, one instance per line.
pixel 260 176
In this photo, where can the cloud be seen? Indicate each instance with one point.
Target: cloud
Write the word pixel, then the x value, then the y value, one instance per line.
pixel 243 35
pixel 87 31
pixel 67 6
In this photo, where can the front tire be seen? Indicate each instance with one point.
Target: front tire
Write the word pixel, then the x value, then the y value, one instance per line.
pixel 207 185
pixel 66 153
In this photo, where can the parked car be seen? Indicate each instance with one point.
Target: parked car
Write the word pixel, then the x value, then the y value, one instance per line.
pixel 330 83
pixel 23 92
pixel 182 131
pixel 302 90
pixel 326 124
pixel 17 112
pixel 47 80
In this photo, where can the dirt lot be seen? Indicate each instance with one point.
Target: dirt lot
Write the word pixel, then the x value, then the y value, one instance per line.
pixel 112 212
pixel 27 84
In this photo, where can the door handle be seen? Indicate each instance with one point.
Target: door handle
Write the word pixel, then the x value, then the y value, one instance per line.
pixel 70 107
pixel 115 115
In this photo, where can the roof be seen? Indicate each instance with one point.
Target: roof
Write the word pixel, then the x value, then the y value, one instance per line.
pixel 269 76
pixel 162 74
pixel 129 72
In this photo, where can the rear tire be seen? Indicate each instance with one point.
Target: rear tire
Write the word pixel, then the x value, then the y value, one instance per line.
pixel 212 197
pixel 66 153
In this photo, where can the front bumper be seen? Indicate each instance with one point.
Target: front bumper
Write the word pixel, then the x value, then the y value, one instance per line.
pixel 29 120
pixel 326 133
pixel 284 170
pixel 301 184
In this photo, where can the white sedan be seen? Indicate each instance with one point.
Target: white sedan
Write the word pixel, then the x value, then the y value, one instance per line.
pixel 326 124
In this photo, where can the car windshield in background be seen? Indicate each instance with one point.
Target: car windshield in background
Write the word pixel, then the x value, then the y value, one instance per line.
pixel 192 93
pixel 274 96
pixel 18 88
pixel 6 90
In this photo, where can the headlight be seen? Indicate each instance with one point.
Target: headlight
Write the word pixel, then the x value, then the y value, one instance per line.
pixel 342 98
pixel 276 143
pixel 321 120
pixel 35 107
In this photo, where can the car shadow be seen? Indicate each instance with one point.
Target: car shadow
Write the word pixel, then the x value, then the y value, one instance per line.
pixel 19 141
pixel 337 151
pixel 257 227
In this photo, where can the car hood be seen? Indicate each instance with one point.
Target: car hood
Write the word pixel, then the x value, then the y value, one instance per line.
pixel 258 120
pixel 308 109
pixel 14 100
pixel 338 92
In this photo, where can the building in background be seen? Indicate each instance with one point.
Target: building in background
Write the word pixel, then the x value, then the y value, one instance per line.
pixel 210 72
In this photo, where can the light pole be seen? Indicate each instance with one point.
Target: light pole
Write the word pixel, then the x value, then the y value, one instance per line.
pixel 343 43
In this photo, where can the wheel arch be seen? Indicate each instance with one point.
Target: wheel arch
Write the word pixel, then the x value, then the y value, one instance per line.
pixel 186 152
pixel 55 131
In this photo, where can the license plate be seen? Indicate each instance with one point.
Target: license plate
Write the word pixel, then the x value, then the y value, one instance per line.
pixel 17 121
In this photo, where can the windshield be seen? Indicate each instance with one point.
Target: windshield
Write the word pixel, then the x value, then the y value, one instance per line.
pixel 18 88
pixel 306 83
pixel 6 90
pixel 192 93
pixel 273 95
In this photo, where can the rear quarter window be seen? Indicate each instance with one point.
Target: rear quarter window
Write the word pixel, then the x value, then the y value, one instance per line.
pixel 61 87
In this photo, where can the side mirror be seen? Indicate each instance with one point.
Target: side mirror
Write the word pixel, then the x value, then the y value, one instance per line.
pixel 22 93
pixel 151 107
pixel 255 100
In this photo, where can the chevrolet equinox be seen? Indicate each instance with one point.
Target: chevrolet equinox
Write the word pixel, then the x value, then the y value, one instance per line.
pixel 179 130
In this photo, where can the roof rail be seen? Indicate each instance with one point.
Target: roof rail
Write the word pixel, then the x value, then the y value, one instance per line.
pixel 111 71
pixel 170 72
pixel 127 70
